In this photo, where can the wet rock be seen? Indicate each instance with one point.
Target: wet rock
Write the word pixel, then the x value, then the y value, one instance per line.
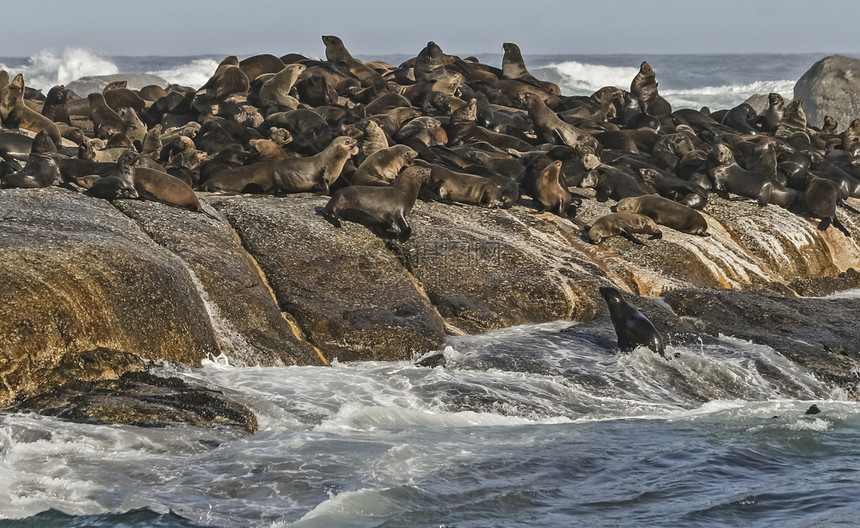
pixel 249 326
pixel 818 333
pixel 831 87
pixel 78 276
pixel 141 399
pixel 492 268
pixel 344 287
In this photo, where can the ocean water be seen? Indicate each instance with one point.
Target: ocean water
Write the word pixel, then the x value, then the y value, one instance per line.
pixel 686 81
pixel 536 425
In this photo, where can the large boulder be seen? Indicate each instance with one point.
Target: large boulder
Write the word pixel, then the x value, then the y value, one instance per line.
pixel 78 278
pixel 345 288
pixel 249 326
pixel 96 83
pixel 831 87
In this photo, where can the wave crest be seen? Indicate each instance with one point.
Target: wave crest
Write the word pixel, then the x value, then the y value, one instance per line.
pixel 49 68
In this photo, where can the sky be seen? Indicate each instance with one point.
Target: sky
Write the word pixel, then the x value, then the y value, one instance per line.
pixel 462 27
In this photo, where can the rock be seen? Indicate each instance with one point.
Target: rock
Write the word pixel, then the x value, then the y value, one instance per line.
pixel 79 276
pixel 249 326
pixel 343 286
pixel 96 83
pixel 142 399
pixel 819 334
pixel 831 87
pixel 491 268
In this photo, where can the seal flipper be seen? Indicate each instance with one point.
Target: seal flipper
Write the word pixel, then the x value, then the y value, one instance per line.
pixel 847 207
pixel 824 224
pixel 629 236
pixel 838 225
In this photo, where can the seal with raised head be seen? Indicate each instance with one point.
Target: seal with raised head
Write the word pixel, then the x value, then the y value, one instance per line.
pixel 106 122
pixel 773 114
pixel 42 168
pixel 631 327
pixel 15 114
pixel 276 90
pixel 552 129
pixel 644 88
pixel 622 224
pixel 379 207
pixel 337 53
pixel 315 173
pixel 383 166
pixel 550 193
pixel 514 68
pixel 666 212
pixel 55 105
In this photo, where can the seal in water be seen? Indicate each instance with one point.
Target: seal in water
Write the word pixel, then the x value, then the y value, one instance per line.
pixel 379 207
pixel 632 328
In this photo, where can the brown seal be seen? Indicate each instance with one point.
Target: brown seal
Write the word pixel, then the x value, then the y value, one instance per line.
pixel 666 212
pixel 551 129
pixel 773 115
pixel 379 207
pixel 15 114
pixel 514 68
pixel 42 168
pixel 383 166
pixel 337 53
pixel 55 105
pixel 819 200
pixel 728 176
pixel 106 122
pixel 315 173
pixel 644 88
pixel 158 186
pixel 452 186
pixel 623 224
pixel 276 90
pixel 120 182
pixel 550 192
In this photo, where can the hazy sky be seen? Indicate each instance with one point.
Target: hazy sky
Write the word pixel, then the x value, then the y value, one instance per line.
pixel 194 27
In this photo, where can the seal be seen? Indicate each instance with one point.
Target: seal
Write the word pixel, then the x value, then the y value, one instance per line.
pixel 666 212
pixel 819 200
pixel 55 105
pixel 315 173
pixel 631 327
pixel 615 183
pixel 158 186
pixel 337 53
pixel 383 166
pixel 851 138
pixel 463 126
pixel 623 224
pixel 15 114
pixel 598 107
pixel 514 68
pixel 106 122
pixel 120 183
pixel 741 118
pixel 728 176
pixel 276 90
pixel 773 114
pixel 421 133
pixel 379 207
pixel 452 186
pixel 371 140
pixel 257 65
pixel 42 168
pixel 550 193
pixel 644 89
pixel 134 126
pixel 552 129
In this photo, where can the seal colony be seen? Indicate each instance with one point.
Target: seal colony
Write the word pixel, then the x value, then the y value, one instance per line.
pixel 375 137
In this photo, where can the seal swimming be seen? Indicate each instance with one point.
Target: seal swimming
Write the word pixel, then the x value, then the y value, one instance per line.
pixel 631 327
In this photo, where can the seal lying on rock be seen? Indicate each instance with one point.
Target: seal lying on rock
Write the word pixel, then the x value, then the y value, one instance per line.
pixel 666 212
pixel 379 207
pixel 632 328
pixel 624 224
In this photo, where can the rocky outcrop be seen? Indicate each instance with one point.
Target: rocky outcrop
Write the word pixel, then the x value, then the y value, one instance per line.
pixel 142 399
pixel 79 276
pixel 249 326
pixel 347 291
pixel 831 87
